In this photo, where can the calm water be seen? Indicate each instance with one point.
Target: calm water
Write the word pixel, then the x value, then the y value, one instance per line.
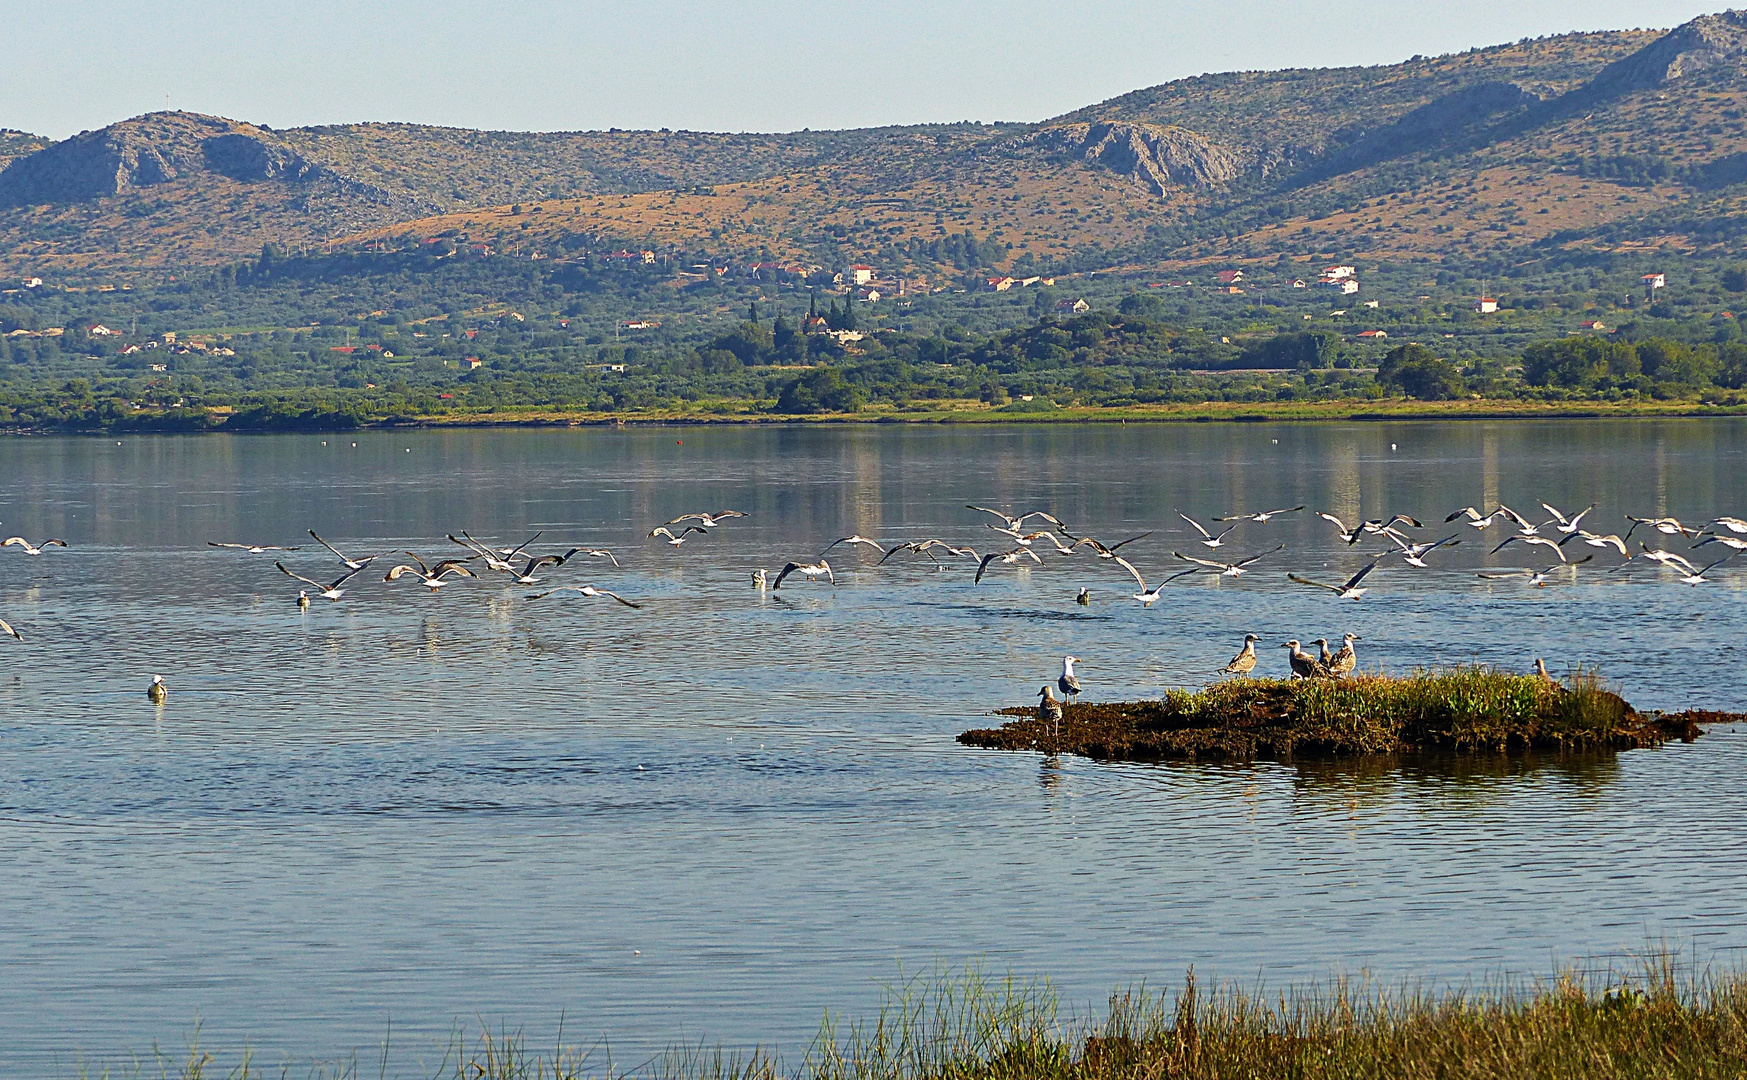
pixel 721 815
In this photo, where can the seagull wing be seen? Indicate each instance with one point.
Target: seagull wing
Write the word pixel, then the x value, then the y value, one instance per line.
pixel 684 517
pixel 1202 562
pixel 1126 565
pixel 1197 525
pixel 1318 584
pixel 986 510
pixel 894 550
pixel 335 550
pixel 728 514
pixel 660 530
pixel 559 589
pixel 1130 540
pixel 620 599
pixel 1358 577
pixel 1092 543
pixel 306 581
pixel 1557 516
pixel 1254 558
pixel 349 575
pixel 1288 510
pixel 982 566
pixel 1473 514
pixel 21 540
pixel 786 571
pixel 6 628
pixel 517 550
pixel 1337 522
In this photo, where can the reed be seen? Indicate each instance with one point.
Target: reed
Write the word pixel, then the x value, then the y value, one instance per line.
pixel 1465 709
pixel 1661 1020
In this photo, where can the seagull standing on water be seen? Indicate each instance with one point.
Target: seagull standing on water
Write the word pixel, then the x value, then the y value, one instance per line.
pixel 1069 682
pixel 760 580
pixel 1245 660
pixel 1085 597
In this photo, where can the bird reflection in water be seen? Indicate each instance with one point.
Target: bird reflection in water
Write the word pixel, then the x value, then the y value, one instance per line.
pixel 1050 776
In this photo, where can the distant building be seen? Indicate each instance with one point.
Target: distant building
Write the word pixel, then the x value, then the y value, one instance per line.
pixel 1298 283
pixel 472 363
pixel 640 324
pixel 1001 284
pixel 814 324
pixel 33 283
pixel 1230 277
pixel 1233 290
pixel 1075 306
pixel 1030 281
pixel 1373 335
pixel 1655 281
pixel 1486 305
pixel 100 331
pixel 1346 286
pixel 1594 324
pixel 859 274
pixel 1339 273
pixel 868 296
pixel 1371 303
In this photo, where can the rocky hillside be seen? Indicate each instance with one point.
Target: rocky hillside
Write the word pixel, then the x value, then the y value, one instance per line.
pixel 1581 139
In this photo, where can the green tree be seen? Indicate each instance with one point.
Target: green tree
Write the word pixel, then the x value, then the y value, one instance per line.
pixel 1579 362
pixel 1420 373
pixel 1306 350
pixel 820 390
pixel 1677 362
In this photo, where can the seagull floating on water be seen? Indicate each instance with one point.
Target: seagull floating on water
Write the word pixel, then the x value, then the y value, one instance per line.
pixel 326 592
pixel 1085 597
pixel 806 570
pixel 158 691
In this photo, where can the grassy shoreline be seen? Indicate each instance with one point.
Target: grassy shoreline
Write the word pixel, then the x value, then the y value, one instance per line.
pixel 214 420
pixel 1466 710
pixel 1658 1019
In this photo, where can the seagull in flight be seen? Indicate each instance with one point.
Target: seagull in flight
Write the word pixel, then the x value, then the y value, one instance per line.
pixel 1351 536
pixel 1228 569
pixel 534 562
pixel 599 553
pixel 1379 525
pixel 1015 524
pixel 1348 591
pixel 1207 538
pixel 584 590
pixel 351 564
pixel 1566 525
pixel 1734 542
pixel 806 570
pixel 1006 558
pixel 706 522
pixel 1666 558
pixel 7 628
pixel 430 577
pixel 326 592
pixel 922 547
pixel 1259 518
pixel 1594 541
pixel 1525 527
pixel 1537 578
pixel 675 541
pixel 1149 597
pixel 1667 526
pixel 856 539
pixel 37 549
pixel 495 558
pixel 1103 552
pixel 1733 524
pixel 1697 577
pixel 1414 554
pixel 1475 518
pixel 1542 541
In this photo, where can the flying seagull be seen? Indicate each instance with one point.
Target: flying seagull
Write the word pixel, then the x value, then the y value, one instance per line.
pixel 922 546
pixel 806 570
pixel 584 590
pixel 1351 536
pixel 1207 538
pixel 495 558
pixel 1525 527
pixel 6 628
pixel 1567 525
pixel 1666 558
pixel 1537 578
pixel 1006 558
pixel 1733 524
pixel 430 577
pixel 1103 552
pixel 1594 541
pixel 706 522
pixel 856 539
pixel 29 549
pixel 1475 518
pixel 1697 577
pixel 1259 518
pixel 1541 541
pixel 351 564
pixel 1414 554
pixel 1231 569
pixel 1017 523
pixel 1667 526
pixel 1348 591
pixel 675 541
pixel 1149 597
pixel 327 592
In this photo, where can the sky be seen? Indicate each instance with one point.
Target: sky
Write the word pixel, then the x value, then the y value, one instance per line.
pixel 704 64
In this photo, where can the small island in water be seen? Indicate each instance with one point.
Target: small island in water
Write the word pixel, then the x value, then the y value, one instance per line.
pixel 1468 709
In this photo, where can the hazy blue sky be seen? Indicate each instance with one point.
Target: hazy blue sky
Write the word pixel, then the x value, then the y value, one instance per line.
pixel 701 64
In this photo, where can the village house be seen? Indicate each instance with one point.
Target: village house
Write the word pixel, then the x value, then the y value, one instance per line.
pixel 1372 303
pixel 1230 277
pixel 814 324
pixel 1655 281
pixel 100 331
pixel 1001 284
pixel 472 363
pixel 33 283
pixel 1298 283
pixel 868 296
pixel 1346 286
pixel 1233 290
pixel 859 274
pixel 1593 324
pixel 1373 335
pixel 640 324
pixel 1487 305
pixel 1076 306
pixel 1339 273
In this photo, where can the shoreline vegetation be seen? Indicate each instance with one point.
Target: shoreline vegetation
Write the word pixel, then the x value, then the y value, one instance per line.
pixel 1659 1018
pixel 194 421
pixel 1464 710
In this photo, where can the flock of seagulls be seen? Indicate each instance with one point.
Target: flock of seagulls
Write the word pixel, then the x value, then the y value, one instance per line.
pixel 1027 538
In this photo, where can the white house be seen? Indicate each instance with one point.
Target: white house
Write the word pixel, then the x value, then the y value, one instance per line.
pixel 1655 281
pixel 1486 306
pixel 32 282
pixel 1347 286
pixel 860 275
pixel 1075 306
pixel 1339 273
pixel 101 331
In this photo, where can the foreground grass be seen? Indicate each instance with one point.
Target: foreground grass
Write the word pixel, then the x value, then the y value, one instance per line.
pixel 1466 709
pixel 1654 1023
